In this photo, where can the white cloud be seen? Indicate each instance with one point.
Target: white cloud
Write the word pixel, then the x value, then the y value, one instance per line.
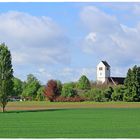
pixel 73 74
pixel 98 21
pixel 66 74
pixel 32 39
pixel 136 9
pixel 91 37
pixel 43 75
pixel 41 70
pixel 115 42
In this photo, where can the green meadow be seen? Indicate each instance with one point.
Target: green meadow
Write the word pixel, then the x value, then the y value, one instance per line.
pixel 71 123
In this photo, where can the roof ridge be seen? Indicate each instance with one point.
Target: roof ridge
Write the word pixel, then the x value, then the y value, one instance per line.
pixel 105 63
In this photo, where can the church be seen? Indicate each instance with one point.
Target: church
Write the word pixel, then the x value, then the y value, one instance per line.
pixel 103 75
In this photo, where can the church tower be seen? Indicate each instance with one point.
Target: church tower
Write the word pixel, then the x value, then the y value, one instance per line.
pixel 103 72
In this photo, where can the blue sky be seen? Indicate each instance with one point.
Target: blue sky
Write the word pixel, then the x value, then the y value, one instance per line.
pixel 66 40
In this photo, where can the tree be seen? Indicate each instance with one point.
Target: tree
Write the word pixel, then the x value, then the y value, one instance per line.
pixel 118 93
pixel 51 90
pixel 40 94
pixel 31 87
pixel 107 93
pixel 128 85
pixel 6 75
pixel 136 83
pixel 59 86
pixel 17 87
pixel 68 90
pixel 83 83
pixel 94 94
pixel 132 84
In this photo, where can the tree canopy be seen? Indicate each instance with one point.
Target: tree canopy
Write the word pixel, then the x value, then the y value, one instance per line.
pixel 68 90
pixel 83 83
pixel 31 87
pixel 18 86
pixel 132 84
pixel 40 94
pixel 52 90
pixel 6 75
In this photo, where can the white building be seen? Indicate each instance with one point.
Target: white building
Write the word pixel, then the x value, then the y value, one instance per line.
pixel 103 75
pixel 103 72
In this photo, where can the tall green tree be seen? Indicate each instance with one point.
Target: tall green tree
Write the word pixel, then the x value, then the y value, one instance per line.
pixel 83 83
pixel 132 84
pixel 6 75
pixel 18 87
pixel 31 87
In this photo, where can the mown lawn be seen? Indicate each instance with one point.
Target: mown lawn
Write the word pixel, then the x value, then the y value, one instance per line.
pixel 71 123
pixel 34 105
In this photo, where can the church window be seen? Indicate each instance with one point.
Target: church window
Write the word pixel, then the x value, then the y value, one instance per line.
pixel 100 68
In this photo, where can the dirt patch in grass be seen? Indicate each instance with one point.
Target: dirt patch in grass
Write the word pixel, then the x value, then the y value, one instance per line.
pixel 45 105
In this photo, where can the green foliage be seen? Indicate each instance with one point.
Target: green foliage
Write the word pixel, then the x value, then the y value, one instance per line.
pixel 40 94
pixel 108 93
pixel 59 86
pixel 132 84
pixel 118 93
pixel 31 87
pixel 17 87
pixel 68 90
pixel 83 83
pixel 103 95
pixel 94 95
pixel 6 75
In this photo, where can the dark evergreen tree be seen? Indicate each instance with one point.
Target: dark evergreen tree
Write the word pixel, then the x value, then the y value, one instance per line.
pixel 6 75
pixel 132 84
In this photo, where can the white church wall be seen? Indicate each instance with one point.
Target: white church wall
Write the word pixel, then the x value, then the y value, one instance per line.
pixel 103 73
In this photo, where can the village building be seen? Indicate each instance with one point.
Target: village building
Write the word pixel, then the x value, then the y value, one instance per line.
pixel 103 75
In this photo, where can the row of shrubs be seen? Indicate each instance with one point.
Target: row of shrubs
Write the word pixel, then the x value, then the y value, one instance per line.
pixel 69 99
pixel 70 93
pixel 111 93
pixel 104 95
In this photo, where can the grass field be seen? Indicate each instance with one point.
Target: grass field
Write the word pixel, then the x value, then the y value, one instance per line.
pixel 70 121
pixel 33 105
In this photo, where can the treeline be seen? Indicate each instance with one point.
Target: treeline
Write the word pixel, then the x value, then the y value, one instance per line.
pixel 82 90
pixel 31 89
